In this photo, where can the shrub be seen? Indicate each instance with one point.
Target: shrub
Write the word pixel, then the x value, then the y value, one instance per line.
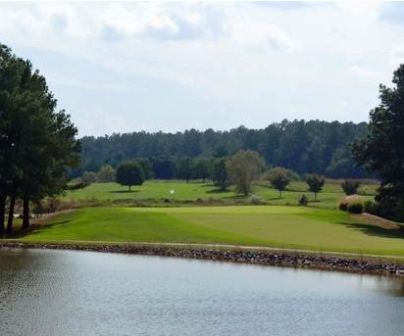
pixel 370 207
pixel 343 205
pixel 356 208
pixel 255 200
pixel 76 186
pixel 106 174
pixel 303 200
pixel 89 177
pixel 352 204
pixel 350 187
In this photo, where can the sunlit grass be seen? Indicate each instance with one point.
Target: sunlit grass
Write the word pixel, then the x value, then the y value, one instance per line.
pixel 272 226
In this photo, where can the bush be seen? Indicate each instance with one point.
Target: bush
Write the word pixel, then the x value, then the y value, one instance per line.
pixel 89 177
pixel 76 186
pixel 255 200
pixel 343 205
pixel 356 208
pixel 370 207
pixel 48 205
pixel 303 200
pixel 106 174
pixel 352 204
pixel 350 187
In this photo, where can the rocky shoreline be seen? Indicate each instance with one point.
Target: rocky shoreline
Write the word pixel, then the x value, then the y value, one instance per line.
pixel 235 255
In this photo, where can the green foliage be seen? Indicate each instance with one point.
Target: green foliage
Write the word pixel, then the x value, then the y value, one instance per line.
pixel 256 200
pixel 130 173
pixel 371 207
pixel 356 208
pixel 37 143
pixel 89 177
pixel 350 187
pixel 279 178
pixel 303 200
pixel 243 168
pixel 382 149
pixel 201 168
pixel 184 169
pixel 315 183
pixel 303 146
pixel 78 185
pixel 106 174
pixel 147 168
pixel 219 174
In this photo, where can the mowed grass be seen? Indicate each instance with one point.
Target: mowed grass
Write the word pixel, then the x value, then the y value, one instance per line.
pixel 180 191
pixel 271 226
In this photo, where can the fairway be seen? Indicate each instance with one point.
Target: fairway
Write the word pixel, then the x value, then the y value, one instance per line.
pixel 168 191
pixel 271 226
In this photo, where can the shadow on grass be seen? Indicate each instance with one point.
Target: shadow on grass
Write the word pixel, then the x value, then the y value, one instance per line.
pixel 124 191
pixel 207 185
pixel 35 228
pixel 377 231
pixel 217 191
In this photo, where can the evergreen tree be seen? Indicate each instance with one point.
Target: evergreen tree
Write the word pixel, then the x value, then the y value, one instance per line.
pixel 382 150
pixel 219 174
pixel 37 144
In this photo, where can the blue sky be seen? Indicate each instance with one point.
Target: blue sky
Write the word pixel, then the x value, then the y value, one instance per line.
pixel 121 67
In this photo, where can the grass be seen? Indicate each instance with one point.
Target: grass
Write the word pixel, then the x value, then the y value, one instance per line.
pixel 272 226
pixel 159 191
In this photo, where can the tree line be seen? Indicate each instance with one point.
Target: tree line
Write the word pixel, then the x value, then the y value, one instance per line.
pixel 37 142
pixel 303 146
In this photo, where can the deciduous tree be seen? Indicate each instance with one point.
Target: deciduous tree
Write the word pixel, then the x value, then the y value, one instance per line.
pixel 130 173
pixel 279 178
pixel 315 183
pixel 243 168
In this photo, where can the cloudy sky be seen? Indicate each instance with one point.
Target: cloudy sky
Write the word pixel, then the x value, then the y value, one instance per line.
pixel 119 67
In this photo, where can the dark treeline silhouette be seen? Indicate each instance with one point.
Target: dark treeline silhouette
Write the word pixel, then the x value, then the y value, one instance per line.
pixel 304 146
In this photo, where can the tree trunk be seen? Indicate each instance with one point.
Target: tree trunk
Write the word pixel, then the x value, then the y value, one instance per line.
pixel 130 188
pixel 25 214
pixel 11 215
pixel 280 193
pixel 315 196
pixel 203 180
pixel 2 212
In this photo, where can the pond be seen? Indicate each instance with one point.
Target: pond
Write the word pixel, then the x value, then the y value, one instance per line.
pixel 49 292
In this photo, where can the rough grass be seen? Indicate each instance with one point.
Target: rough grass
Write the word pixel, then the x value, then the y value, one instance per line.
pixel 272 226
pixel 159 191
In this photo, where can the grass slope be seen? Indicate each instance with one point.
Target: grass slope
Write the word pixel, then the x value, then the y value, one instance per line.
pixel 160 190
pixel 274 226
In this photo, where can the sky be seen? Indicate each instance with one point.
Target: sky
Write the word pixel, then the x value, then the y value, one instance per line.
pixel 124 67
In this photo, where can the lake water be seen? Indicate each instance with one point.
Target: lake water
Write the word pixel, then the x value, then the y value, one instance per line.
pixel 45 292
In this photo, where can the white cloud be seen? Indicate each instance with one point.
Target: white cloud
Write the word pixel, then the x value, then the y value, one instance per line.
pixel 271 60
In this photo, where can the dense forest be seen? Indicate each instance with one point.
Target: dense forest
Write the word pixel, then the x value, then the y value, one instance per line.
pixel 304 146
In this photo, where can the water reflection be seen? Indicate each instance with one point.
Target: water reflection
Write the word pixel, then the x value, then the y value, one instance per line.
pixel 83 293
